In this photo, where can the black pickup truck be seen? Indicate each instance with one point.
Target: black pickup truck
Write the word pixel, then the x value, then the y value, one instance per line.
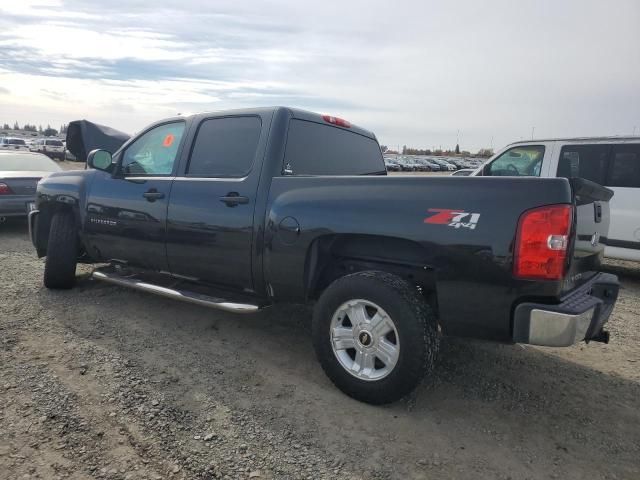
pixel 239 210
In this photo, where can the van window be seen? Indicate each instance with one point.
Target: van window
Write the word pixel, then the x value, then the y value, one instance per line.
pixel 584 161
pixel 225 147
pixel 316 149
pixel 625 166
pixel 525 161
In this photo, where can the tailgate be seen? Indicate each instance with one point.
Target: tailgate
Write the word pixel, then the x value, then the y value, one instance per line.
pixel 591 226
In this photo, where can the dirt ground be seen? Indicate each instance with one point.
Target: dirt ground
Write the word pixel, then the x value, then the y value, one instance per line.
pixel 104 382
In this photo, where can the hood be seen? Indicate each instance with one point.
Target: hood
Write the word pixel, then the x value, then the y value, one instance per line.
pixel 84 136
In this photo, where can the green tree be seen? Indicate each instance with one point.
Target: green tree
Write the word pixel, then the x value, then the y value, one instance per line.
pixel 457 149
pixel 50 132
pixel 6 127
pixel 16 126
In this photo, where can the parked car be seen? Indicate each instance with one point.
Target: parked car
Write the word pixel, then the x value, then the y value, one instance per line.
pixel 11 143
pixel 430 166
pixel 406 165
pixel 19 174
pixel 463 172
pixel 302 215
pixel 391 165
pixel 444 165
pixel 610 161
pixel 51 147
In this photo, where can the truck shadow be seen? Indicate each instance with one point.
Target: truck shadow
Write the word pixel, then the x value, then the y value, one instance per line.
pixel 481 398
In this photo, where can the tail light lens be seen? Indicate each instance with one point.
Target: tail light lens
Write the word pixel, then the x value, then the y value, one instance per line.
pixel 340 122
pixel 542 241
pixel 4 189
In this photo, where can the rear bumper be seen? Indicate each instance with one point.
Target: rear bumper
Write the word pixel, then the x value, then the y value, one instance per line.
pixel 580 316
pixel 15 205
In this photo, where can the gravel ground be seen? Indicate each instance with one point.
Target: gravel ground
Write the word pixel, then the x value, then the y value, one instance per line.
pixel 104 382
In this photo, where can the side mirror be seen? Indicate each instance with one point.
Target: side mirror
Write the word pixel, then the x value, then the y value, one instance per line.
pixel 100 160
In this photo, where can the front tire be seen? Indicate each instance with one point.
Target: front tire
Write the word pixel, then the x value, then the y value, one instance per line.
pixel 62 252
pixel 375 336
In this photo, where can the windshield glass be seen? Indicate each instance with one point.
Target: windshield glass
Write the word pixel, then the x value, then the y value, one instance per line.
pixel 15 141
pixel 525 161
pixel 54 143
pixel 26 162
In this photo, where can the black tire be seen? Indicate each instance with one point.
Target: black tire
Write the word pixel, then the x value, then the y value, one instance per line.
pixel 62 252
pixel 415 323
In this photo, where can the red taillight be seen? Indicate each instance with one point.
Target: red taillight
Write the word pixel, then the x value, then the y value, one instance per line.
pixel 336 121
pixel 4 189
pixel 542 241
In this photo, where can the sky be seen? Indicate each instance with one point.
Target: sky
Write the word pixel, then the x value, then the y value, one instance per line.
pixel 417 73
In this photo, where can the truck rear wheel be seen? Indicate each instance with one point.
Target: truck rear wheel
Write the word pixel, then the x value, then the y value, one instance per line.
pixel 62 252
pixel 375 336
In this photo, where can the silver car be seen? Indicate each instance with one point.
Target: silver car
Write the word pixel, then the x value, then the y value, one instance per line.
pixel 19 175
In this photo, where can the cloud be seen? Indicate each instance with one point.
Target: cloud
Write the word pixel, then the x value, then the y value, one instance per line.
pixel 414 72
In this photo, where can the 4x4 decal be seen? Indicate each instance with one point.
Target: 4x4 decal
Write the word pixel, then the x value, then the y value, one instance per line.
pixel 453 218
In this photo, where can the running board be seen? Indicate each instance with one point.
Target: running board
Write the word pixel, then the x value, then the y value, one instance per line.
pixel 182 295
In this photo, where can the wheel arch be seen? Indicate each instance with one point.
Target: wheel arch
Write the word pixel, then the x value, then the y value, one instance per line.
pixel 330 257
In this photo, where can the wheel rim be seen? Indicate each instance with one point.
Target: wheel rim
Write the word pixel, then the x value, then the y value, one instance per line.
pixel 364 339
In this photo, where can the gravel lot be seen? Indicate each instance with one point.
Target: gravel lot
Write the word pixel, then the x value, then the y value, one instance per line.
pixel 103 382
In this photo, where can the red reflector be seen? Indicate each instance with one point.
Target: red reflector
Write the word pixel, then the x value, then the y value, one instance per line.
pixel 340 122
pixel 542 241
pixel 4 189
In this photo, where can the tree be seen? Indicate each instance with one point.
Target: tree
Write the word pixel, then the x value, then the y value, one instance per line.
pixel 485 152
pixel 16 126
pixel 457 149
pixel 39 128
pixel 6 127
pixel 404 149
pixel 383 148
pixel 50 132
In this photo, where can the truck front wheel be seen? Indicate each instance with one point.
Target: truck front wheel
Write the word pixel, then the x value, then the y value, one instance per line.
pixel 62 252
pixel 375 336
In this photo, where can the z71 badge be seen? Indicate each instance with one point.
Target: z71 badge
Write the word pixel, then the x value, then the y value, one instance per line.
pixel 453 218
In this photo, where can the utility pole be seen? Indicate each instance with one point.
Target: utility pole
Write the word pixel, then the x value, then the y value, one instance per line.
pixel 533 129
pixel 634 130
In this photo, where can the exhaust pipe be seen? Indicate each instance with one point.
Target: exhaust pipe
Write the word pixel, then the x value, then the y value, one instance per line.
pixel 602 337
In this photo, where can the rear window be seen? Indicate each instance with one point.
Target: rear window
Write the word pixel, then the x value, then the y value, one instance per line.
pixel 54 143
pixel 584 161
pixel 16 141
pixel 316 149
pixel 625 166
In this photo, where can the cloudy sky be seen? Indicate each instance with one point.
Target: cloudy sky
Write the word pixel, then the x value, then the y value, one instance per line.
pixel 414 72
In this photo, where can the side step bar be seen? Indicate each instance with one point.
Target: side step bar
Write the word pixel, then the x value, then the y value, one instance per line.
pixel 182 295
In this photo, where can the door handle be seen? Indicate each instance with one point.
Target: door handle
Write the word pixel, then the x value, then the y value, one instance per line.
pixel 152 195
pixel 233 198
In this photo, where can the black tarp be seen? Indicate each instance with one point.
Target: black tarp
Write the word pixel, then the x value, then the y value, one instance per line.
pixel 84 136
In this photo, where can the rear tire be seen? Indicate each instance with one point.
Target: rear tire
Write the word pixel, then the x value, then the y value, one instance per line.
pixel 62 252
pixel 383 353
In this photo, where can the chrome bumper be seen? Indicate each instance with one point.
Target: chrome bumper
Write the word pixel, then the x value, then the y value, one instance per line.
pixel 579 316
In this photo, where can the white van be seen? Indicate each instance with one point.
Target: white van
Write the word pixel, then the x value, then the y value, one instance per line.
pixel 610 161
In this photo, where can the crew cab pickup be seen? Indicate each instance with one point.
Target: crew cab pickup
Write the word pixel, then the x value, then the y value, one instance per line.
pixel 240 210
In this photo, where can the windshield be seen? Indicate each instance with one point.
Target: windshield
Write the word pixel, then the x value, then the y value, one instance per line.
pixel 54 143
pixel 525 161
pixel 15 141
pixel 26 162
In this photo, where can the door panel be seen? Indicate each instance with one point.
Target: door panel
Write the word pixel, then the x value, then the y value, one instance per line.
pixel 211 209
pixel 127 211
pixel 122 224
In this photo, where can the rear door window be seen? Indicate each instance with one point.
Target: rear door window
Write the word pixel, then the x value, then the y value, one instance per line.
pixel 225 147
pixel 316 149
pixel 524 161
pixel 584 161
pixel 625 166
